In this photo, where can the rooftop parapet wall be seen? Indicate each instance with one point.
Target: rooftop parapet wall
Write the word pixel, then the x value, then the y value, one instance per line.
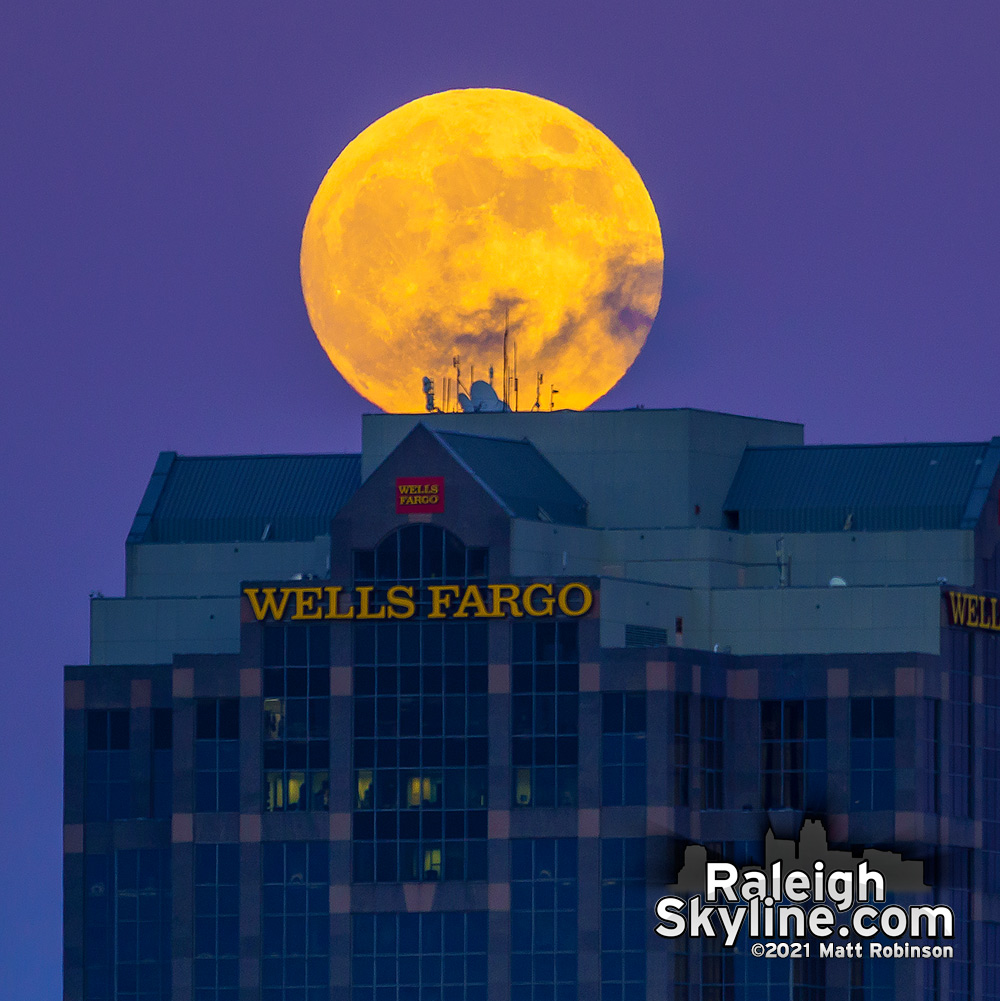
pixel 636 468
pixel 706 558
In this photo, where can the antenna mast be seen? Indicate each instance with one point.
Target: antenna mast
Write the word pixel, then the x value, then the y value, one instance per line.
pixel 515 375
pixel 506 330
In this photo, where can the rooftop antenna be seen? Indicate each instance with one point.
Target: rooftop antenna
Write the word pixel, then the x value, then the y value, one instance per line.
pixel 457 362
pixel 491 376
pixel 429 394
pixel 506 331
pixel 552 396
pixel 538 393
pixel 515 375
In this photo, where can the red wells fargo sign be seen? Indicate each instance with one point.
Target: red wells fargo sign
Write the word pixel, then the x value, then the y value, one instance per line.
pixel 419 493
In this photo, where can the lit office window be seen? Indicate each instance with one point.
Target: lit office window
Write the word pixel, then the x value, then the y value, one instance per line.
pixel 792 753
pixel 872 754
pixel 713 742
pixel 420 726
pixel 623 748
pixel 420 957
pixel 161 765
pixel 295 921
pixel 108 788
pixel 543 919
pixel 216 922
pixel 127 920
pixel 545 685
pixel 623 919
pixel 217 755
pixel 296 718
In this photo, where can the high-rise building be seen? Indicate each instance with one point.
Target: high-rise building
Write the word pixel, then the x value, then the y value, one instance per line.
pixel 437 722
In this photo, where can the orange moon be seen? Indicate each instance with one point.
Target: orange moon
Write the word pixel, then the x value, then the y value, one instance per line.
pixel 467 209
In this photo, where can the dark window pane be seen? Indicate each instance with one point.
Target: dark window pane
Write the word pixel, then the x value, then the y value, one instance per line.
pixel 295 645
pixel 229 719
pixel 274 645
pixel 319 646
pixel 118 729
pixel 883 718
pixel 861 718
pixel 163 727
pixel 97 730
pixel 364 565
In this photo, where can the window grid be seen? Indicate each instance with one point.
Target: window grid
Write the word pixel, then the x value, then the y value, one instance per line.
pixel 623 919
pixel 217 756
pixel 792 753
pixel 295 921
pixel 543 919
pixel 216 922
pixel 623 748
pixel 127 919
pixel 961 710
pixel 420 751
pixel 713 734
pixel 296 718
pixel 161 765
pixel 990 765
pixel 420 728
pixel 545 684
pixel 108 784
pixel 419 957
pixel 682 749
pixel 872 753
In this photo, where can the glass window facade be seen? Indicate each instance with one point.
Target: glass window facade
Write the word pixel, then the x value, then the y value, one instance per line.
pixel 216 922
pixel 161 764
pixel 623 919
pixel 217 755
pixel 296 718
pixel 793 753
pixel 623 748
pixel 295 921
pixel 543 919
pixel 420 957
pixel 420 725
pixel 682 749
pixel 108 790
pixel 713 745
pixel 961 722
pixel 545 685
pixel 127 919
pixel 872 754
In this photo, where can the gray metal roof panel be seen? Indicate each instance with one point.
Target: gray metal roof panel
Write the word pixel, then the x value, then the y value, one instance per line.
pixel 245 498
pixel 527 483
pixel 817 488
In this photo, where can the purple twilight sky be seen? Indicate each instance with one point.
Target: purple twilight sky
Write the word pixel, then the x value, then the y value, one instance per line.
pixel 825 176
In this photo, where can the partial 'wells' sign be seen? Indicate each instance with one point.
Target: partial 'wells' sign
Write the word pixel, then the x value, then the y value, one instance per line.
pixel 973 611
pixel 419 493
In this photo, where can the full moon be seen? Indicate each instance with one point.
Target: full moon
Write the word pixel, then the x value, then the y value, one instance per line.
pixel 468 212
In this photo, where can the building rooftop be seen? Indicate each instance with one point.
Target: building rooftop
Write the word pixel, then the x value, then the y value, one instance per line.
pixel 525 481
pixel 829 488
pixel 244 498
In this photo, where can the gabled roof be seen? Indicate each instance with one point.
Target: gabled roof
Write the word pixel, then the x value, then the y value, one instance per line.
pixel 525 482
pixel 244 498
pixel 827 488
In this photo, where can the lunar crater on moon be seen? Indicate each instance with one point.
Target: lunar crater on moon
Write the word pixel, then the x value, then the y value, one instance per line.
pixel 463 211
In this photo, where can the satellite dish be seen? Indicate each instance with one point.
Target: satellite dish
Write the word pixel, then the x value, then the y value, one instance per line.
pixel 483 398
pixel 838 582
pixel 465 403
